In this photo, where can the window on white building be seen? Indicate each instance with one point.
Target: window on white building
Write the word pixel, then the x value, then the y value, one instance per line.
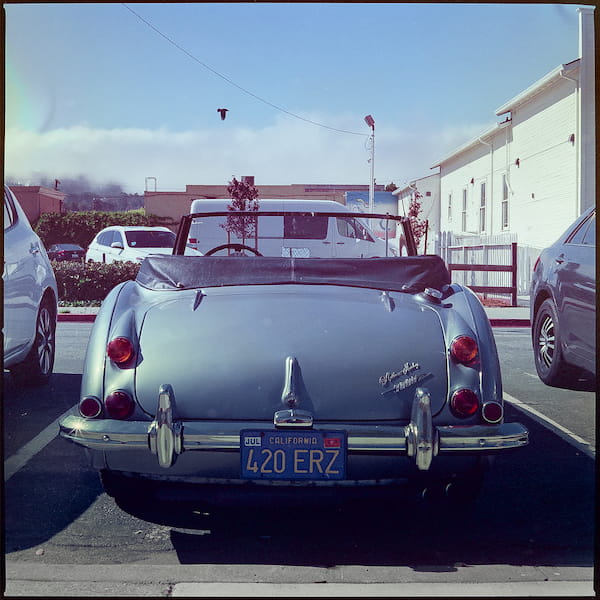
pixel 464 210
pixel 482 208
pixel 504 202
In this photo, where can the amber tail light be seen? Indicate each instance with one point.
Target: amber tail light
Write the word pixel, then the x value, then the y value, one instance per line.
pixel 464 350
pixel 120 350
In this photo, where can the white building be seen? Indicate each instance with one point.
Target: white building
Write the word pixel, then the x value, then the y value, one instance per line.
pixel 427 190
pixel 527 178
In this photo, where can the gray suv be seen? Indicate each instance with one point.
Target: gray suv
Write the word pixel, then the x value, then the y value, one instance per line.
pixel 563 305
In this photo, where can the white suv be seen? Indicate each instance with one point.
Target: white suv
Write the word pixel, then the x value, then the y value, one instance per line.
pixel 133 243
pixel 30 299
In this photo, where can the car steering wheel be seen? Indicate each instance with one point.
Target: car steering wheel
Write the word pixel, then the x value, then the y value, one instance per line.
pixel 237 247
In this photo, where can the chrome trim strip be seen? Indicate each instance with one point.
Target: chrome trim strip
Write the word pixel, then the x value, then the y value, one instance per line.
pixel 293 418
pixel 108 434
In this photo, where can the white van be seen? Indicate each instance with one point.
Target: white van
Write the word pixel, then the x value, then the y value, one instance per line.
pixel 293 236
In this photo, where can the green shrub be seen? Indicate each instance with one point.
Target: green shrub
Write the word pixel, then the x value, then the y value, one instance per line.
pixel 87 282
pixel 81 227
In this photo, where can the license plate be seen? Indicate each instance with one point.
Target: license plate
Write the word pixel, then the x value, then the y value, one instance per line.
pixel 295 252
pixel 74 256
pixel 298 455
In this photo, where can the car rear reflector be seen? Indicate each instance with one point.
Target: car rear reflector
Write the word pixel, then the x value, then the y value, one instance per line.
pixel 119 405
pixel 464 350
pixel 120 350
pixel 90 407
pixel 464 403
pixel 492 412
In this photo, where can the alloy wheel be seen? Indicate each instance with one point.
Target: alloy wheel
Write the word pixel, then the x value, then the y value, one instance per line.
pixel 45 340
pixel 547 341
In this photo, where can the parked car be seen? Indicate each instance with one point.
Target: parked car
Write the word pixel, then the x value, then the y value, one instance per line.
pixel 331 235
pixel 30 299
pixel 290 378
pixel 130 243
pixel 66 252
pixel 563 305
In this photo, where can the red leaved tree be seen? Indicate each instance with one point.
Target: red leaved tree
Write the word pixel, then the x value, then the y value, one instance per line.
pixel 243 197
pixel 418 225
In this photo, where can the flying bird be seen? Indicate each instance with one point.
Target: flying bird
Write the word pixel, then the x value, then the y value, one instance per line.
pixel 223 112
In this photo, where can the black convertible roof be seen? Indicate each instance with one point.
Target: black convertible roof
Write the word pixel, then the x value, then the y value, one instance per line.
pixel 404 274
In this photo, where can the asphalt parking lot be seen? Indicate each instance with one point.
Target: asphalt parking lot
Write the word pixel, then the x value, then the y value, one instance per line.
pixel 533 523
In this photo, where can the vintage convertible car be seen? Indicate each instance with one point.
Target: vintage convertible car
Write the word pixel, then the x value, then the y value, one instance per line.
pixel 236 376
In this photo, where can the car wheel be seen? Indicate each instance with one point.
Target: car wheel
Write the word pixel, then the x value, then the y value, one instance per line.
pixel 37 366
pixel 550 364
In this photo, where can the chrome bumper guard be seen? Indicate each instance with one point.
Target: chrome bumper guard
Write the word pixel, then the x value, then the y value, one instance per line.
pixel 167 437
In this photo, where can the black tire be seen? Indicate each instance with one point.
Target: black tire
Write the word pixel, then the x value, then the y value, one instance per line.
pixel 550 364
pixel 37 367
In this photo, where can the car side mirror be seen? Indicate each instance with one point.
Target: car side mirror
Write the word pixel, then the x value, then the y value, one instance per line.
pixel 117 245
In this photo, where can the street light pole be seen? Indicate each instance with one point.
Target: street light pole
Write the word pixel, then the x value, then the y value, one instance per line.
pixel 371 123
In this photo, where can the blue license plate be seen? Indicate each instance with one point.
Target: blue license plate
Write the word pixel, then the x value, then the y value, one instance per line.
pixel 298 455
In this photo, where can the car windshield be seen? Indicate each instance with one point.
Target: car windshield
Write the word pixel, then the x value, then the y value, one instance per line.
pixel 150 239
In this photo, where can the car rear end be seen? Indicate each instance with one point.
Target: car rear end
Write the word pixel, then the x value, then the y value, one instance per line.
pixel 289 385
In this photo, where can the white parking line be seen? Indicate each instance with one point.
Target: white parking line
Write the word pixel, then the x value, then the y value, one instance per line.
pixel 562 432
pixel 17 461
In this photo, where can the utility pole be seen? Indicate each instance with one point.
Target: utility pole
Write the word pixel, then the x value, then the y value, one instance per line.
pixel 371 123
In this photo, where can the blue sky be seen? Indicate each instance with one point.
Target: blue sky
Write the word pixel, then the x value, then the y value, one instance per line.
pixel 94 90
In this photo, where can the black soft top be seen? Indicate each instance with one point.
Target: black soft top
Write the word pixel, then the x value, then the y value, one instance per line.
pixel 405 274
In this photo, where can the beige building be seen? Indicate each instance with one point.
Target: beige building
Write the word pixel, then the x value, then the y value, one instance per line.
pixel 36 200
pixel 174 205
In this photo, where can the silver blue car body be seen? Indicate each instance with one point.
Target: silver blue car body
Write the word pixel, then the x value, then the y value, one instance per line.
pixel 259 373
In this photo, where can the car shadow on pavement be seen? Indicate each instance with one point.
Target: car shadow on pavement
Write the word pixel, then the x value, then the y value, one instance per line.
pixel 47 496
pixel 536 508
pixel 585 383
pixel 56 485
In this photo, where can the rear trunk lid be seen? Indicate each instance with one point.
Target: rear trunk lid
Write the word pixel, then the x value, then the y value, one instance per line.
pixel 360 356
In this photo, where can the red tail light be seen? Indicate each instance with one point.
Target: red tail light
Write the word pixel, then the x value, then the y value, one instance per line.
pixel 464 350
pixel 119 405
pixel 464 403
pixel 120 350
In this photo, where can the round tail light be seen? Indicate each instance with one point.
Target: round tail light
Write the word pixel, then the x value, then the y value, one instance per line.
pixel 464 350
pixel 119 405
pixel 464 403
pixel 492 412
pixel 90 407
pixel 120 350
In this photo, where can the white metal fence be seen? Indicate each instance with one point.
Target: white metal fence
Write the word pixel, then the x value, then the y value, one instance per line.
pixel 489 250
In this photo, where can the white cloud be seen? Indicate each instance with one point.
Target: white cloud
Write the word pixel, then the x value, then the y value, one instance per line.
pixel 289 151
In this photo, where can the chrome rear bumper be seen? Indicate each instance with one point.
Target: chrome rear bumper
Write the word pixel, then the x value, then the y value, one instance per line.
pixel 167 437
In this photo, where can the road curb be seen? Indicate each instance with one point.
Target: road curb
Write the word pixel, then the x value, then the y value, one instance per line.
pixel 74 317
pixel 92 317
pixel 510 322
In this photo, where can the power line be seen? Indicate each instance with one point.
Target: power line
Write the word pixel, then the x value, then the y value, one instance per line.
pixel 233 83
